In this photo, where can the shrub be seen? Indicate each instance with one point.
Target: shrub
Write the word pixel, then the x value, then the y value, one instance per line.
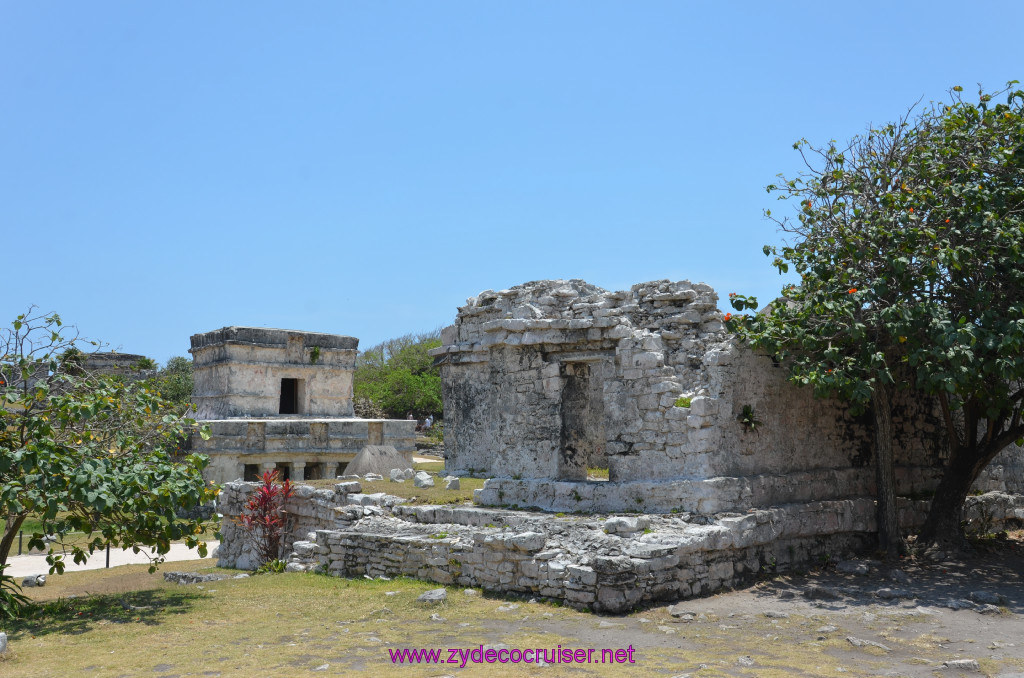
pixel 262 519
pixel 12 600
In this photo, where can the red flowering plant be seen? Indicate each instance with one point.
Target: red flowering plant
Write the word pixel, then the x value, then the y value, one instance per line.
pixel 263 519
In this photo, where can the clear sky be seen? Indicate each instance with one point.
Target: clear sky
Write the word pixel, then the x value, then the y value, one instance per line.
pixel 363 167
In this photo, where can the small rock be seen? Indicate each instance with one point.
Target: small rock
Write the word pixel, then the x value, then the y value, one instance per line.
pixel 508 608
pixel 679 610
pixel 33 580
pixel 608 625
pixel 3 642
pixel 745 660
pixel 623 525
pixel 244 575
pixel 892 594
pixel 958 604
pixel 821 593
pixel 433 597
pixel 397 475
pixel 988 609
pixel 423 479
pixel 471 592
pixel 899 576
pixel 322 667
pixel 191 577
pixel 667 629
pixel 827 628
pixel 860 642
pixel 987 597
pixel 391 593
pixel 853 567
pixel 436 617
pixel 294 567
pixel 451 483
pixel 962 664
pixel 787 595
pixel 369 477
pixel 772 614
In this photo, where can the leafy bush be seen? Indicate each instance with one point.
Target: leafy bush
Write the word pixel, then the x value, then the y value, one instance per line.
pixel 262 519
pixel 174 381
pixel 12 600
pixel 399 378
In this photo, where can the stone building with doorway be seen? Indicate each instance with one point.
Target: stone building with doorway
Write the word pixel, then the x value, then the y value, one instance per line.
pixel 569 398
pixel 282 399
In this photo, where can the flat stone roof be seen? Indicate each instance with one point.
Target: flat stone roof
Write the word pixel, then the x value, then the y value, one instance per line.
pixel 267 336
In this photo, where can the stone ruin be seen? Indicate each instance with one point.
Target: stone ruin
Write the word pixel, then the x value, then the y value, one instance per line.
pixel 678 462
pixel 282 399
pixel 549 380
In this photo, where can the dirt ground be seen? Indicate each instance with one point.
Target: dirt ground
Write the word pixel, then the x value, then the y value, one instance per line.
pixel 885 621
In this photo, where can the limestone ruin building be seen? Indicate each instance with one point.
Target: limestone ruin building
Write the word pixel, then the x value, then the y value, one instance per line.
pixel 718 468
pixel 548 379
pixel 282 399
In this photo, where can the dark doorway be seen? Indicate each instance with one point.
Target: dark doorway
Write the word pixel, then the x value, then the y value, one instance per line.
pixel 582 440
pixel 289 396
pixel 314 471
pixel 284 472
pixel 251 473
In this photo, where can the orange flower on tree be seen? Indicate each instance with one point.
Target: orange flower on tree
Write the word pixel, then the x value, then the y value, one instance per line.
pixel 851 290
pixel 728 317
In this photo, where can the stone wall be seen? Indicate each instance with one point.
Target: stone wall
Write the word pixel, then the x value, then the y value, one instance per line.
pixel 606 563
pixel 330 443
pixel 238 372
pixel 282 399
pixel 549 378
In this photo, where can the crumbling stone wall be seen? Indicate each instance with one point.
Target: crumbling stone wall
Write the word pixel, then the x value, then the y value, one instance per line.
pixel 599 562
pixel 536 376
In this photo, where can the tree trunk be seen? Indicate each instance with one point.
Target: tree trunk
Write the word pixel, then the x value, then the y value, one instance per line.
pixel 10 532
pixel 942 526
pixel 889 538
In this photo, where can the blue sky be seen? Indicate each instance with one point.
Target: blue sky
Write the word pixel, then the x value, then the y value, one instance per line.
pixel 363 167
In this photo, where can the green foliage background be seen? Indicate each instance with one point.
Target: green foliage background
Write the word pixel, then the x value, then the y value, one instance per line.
pixel 398 377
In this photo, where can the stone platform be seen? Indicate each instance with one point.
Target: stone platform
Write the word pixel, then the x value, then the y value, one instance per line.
pixel 605 563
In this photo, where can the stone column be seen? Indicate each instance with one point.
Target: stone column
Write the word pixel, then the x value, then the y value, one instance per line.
pixel 298 471
pixel 330 469
pixel 267 466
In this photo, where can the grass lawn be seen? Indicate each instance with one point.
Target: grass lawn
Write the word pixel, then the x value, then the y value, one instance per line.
pixel 417 495
pixel 126 622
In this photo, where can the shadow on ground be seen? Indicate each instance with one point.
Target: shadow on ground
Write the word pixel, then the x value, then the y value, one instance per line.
pixel 78 615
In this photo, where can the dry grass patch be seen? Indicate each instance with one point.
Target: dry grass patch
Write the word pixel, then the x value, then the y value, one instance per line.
pixel 418 495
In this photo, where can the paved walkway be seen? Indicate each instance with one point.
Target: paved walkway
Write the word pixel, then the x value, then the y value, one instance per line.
pixel 22 566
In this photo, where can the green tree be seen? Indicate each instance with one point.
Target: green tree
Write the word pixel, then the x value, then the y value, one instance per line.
pixel 174 381
pixel 909 244
pixel 89 453
pixel 399 377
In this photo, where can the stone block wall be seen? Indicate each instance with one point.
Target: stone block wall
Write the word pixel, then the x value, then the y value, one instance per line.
pixel 606 563
pixel 238 372
pixel 547 379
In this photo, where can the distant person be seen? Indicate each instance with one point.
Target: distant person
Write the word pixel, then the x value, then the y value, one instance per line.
pixel 409 417
pixel 428 423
